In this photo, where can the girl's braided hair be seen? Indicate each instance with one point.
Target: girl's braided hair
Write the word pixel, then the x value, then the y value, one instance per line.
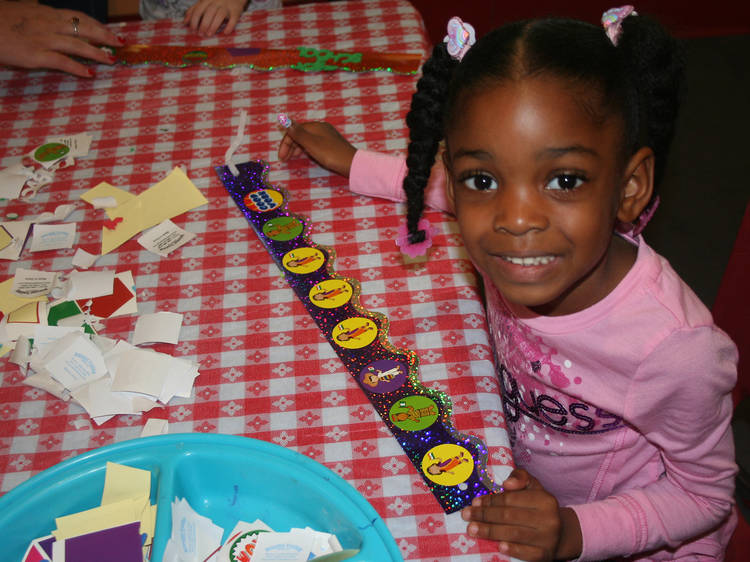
pixel 640 80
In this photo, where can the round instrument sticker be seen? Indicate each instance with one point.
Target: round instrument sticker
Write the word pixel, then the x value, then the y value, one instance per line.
pixel 355 333
pixel 383 376
pixel 50 151
pixel 263 200
pixel 413 413
pixel 447 464
pixel 303 260
pixel 331 293
pixel 283 229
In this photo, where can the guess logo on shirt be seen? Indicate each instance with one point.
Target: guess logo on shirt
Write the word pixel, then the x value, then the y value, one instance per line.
pixel 569 417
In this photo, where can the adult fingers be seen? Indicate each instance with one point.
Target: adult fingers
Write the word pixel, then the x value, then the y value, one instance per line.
pixel 79 25
pixel 233 19
pixel 58 61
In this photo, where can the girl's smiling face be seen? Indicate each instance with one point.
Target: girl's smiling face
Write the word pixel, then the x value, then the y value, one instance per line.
pixel 537 184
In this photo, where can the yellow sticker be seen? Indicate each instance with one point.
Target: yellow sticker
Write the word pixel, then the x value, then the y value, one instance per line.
pixel 303 260
pixel 355 333
pixel 331 293
pixel 448 464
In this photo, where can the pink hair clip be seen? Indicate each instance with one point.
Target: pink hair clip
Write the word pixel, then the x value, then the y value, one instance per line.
pixel 612 21
pixel 460 38
pixel 420 248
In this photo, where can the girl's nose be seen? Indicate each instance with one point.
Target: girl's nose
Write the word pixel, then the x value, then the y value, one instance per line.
pixel 518 211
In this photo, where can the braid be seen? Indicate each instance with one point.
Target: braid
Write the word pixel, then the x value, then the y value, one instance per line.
pixel 655 63
pixel 425 121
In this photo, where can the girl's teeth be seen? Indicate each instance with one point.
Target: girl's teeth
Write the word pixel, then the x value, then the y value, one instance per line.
pixel 540 260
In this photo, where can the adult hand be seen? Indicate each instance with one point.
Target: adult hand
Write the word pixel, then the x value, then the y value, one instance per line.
pixel 38 36
pixel 526 521
pixel 206 16
pixel 321 142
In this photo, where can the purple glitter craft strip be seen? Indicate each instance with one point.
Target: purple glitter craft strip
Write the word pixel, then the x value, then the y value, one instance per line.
pixel 453 465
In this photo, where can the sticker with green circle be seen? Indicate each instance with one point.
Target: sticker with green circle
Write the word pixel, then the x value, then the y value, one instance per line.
pixel 283 229
pixel 51 151
pixel 414 412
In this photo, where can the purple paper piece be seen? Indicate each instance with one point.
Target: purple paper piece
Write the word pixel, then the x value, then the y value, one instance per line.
pixel 116 544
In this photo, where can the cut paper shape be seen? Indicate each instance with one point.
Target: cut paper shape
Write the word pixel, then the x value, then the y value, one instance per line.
pixel 6 238
pixel 24 320
pixel 306 59
pixel 53 236
pixel 83 259
pixel 194 537
pixel 60 213
pixel 170 197
pixel 119 302
pixel 164 238
pixel 49 154
pixel 30 283
pixel 19 230
pixel 155 426
pixel 122 482
pixel 12 180
pixel 90 284
pixel 73 361
pixel 157 327
pixel 112 223
pixel 387 375
pixel 114 544
pixel 79 144
pixel 10 302
pixel 107 192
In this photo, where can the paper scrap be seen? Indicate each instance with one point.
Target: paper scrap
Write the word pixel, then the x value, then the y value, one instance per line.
pixel 10 302
pixel 83 259
pixel 60 213
pixel 115 544
pixel 49 154
pixel 12 180
pixel 122 482
pixel 30 283
pixel 170 197
pixel 157 327
pixel 73 360
pixel 194 537
pixel 19 230
pixel 79 144
pixel 53 236
pixel 90 284
pixel 155 426
pixel 165 238
pixel 107 192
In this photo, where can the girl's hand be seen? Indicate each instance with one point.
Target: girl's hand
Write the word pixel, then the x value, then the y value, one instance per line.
pixel 526 521
pixel 37 36
pixel 206 16
pixel 321 142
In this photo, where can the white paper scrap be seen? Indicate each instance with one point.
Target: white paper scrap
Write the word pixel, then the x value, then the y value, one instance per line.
pixel 31 283
pixel 74 360
pixel 290 547
pixel 157 327
pixel 179 380
pixel 83 259
pixel 155 426
pixel 90 284
pixel 194 537
pixel 12 180
pixel 164 238
pixel 79 144
pixel 143 371
pixel 53 236
pixel 60 214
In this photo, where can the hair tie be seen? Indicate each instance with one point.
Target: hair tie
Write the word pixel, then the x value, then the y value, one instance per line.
pixel 641 222
pixel 612 21
pixel 460 38
pixel 419 248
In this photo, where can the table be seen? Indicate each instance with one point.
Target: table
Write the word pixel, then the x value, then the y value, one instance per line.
pixel 266 370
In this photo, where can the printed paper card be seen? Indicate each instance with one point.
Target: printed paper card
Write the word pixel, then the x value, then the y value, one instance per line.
pixel 74 360
pixel 10 302
pixel 170 197
pixel 30 283
pixel 53 236
pixel 79 144
pixel 194 537
pixel 165 238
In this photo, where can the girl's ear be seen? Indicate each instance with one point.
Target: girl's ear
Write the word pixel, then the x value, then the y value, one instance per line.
pixel 639 185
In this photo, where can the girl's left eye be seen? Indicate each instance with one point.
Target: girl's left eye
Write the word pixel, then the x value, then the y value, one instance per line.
pixel 565 182
pixel 480 182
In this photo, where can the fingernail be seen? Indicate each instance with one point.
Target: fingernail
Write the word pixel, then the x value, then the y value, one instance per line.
pixel 503 547
pixel 472 529
pixel 477 501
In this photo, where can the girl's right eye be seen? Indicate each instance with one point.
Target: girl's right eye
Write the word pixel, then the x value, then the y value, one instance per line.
pixel 480 182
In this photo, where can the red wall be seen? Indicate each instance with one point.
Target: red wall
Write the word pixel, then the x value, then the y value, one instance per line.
pixel 719 17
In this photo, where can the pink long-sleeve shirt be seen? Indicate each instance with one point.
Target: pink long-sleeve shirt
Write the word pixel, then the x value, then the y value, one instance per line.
pixel 622 410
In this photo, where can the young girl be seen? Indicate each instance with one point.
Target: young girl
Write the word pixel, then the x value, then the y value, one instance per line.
pixel 616 383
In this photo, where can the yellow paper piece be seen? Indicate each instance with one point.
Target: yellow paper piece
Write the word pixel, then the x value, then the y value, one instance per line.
pixel 98 518
pixel 106 190
pixel 125 482
pixel 5 238
pixel 28 314
pixel 172 196
pixel 10 302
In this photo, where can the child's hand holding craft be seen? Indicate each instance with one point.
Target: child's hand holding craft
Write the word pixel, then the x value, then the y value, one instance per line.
pixel 321 142
pixel 526 520
pixel 206 16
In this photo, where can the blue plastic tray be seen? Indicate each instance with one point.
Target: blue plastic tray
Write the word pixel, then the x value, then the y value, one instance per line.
pixel 223 477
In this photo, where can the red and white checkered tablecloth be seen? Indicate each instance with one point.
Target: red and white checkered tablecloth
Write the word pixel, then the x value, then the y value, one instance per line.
pixel 266 370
